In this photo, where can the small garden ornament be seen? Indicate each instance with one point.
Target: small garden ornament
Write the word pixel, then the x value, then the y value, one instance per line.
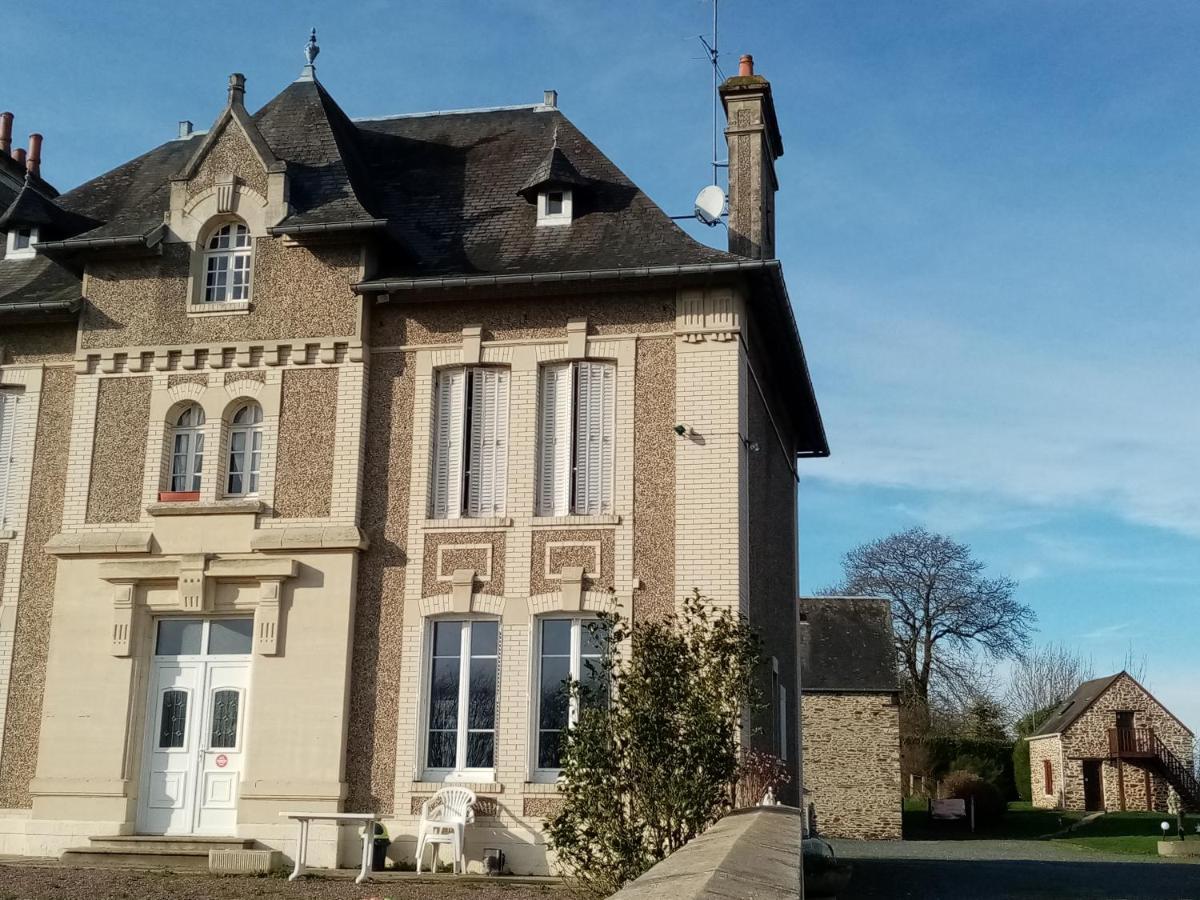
pixel 1175 808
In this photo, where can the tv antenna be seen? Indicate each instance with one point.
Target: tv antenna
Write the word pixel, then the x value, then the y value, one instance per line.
pixel 711 203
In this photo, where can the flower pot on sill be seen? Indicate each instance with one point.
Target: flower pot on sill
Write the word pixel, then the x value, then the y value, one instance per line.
pixel 178 496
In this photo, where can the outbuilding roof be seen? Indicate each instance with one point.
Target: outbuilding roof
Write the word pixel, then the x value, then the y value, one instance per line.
pixel 846 645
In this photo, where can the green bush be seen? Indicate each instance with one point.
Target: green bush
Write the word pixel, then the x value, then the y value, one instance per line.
pixel 986 797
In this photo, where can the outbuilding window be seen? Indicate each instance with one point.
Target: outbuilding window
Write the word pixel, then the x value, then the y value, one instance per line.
pixel 1048 776
pixel 227 264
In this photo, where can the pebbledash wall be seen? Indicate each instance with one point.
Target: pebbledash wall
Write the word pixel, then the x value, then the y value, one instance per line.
pixel 851 749
pixel 1087 738
pixel 338 549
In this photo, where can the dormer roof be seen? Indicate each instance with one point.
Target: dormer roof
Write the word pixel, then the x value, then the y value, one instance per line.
pixel 555 172
pixel 33 209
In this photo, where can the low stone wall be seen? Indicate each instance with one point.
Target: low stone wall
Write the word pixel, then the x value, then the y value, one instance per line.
pixel 750 853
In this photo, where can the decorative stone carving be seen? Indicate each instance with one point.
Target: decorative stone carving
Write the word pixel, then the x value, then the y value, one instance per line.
pixel 192 592
pixel 707 314
pixel 572 588
pixel 122 631
pixel 463 584
pixel 577 338
pixel 472 345
pixel 266 618
pixel 225 185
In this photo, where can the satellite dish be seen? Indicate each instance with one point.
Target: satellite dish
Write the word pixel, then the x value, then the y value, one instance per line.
pixel 710 205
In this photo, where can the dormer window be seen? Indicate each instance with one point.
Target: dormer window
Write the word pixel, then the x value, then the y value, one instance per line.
pixel 227 264
pixel 21 243
pixel 554 208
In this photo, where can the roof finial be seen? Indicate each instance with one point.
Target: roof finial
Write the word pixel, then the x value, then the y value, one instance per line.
pixel 308 73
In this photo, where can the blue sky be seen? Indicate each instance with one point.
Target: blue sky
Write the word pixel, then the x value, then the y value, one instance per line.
pixel 988 218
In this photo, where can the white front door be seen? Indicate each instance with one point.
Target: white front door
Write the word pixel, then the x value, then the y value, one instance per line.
pixel 195 726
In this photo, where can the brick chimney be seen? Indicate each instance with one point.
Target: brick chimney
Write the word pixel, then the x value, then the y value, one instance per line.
pixel 6 120
pixel 754 145
pixel 33 162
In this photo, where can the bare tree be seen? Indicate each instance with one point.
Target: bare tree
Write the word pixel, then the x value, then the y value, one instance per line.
pixel 1045 676
pixel 1137 666
pixel 944 610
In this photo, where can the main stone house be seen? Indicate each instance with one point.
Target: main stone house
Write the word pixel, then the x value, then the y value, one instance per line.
pixel 323 439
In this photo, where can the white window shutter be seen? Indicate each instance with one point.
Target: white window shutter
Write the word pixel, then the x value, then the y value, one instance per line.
pixel 595 427
pixel 8 424
pixel 448 444
pixel 489 442
pixel 554 441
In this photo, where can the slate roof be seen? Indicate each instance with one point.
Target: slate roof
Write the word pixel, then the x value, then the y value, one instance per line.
pixel 446 185
pixel 846 645
pixel 1076 705
pixel 38 282
pixel 33 209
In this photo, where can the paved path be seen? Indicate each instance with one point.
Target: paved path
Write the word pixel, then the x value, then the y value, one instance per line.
pixel 1000 870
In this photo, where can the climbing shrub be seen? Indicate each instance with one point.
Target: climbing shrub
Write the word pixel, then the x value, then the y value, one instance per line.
pixel 657 764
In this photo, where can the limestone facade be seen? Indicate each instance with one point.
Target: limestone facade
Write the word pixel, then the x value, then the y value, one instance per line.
pixel 851 745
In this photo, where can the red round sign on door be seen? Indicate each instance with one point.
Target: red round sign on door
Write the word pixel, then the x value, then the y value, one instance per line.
pixel 222 761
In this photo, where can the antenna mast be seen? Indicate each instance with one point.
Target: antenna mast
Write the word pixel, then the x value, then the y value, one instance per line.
pixel 714 60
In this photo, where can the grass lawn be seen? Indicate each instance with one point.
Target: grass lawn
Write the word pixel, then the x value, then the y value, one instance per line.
pixel 1020 822
pixel 1130 832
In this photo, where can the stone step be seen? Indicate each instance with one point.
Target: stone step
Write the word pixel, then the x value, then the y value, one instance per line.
pixel 136 843
pixel 149 858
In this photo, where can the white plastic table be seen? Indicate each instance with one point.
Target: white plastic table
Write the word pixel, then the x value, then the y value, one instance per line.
pixel 368 821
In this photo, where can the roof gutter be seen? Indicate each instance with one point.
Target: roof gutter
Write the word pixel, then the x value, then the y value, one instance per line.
pixel 145 241
pixel 329 227
pixel 389 285
pixel 45 307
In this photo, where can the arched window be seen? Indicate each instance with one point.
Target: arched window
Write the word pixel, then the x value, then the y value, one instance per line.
pixel 187 451
pixel 245 450
pixel 227 258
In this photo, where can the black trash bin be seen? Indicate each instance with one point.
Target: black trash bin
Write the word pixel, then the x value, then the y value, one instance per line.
pixel 379 848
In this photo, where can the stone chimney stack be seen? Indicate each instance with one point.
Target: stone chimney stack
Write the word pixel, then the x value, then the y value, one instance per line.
pixel 754 145
pixel 237 89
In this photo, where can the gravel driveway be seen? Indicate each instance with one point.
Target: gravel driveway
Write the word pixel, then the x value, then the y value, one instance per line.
pixel 25 882
pixel 1009 870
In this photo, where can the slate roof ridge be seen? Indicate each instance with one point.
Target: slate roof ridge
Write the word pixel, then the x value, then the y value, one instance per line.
pixel 1084 698
pixel 471 110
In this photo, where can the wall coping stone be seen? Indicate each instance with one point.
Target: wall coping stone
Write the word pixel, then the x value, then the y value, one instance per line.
pixel 750 853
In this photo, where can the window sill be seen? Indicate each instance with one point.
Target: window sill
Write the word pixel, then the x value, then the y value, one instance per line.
pixel 203 508
pixel 468 524
pixel 431 782
pixel 7 534
pixel 224 308
pixel 178 496
pixel 557 521
pixel 545 782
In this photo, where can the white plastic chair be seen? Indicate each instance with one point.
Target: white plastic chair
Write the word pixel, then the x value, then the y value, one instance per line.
pixel 444 819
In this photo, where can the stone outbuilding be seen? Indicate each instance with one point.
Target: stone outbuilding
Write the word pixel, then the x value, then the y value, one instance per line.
pixel 850 715
pixel 1112 746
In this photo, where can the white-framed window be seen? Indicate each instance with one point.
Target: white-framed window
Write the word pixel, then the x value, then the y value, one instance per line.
pixel 8 428
pixel 460 736
pixel 187 449
pixel 228 256
pixel 245 451
pixel 470 442
pixel 568 650
pixel 554 207
pixel 576 438
pixel 21 243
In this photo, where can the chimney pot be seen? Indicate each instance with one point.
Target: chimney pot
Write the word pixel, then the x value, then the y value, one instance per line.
pixel 33 163
pixel 550 99
pixel 6 122
pixel 185 129
pixel 237 89
pixel 746 65
pixel 19 155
